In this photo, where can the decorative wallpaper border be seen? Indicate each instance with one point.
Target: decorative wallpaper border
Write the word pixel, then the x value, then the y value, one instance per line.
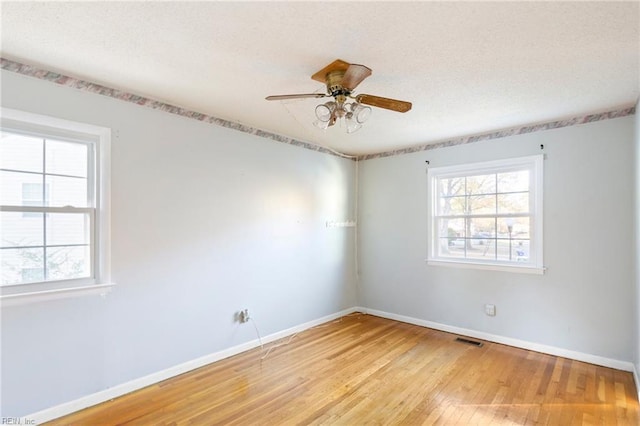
pixel 506 132
pixel 86 86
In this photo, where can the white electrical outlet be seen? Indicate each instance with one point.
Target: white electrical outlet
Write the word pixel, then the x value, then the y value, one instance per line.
pixel 490 310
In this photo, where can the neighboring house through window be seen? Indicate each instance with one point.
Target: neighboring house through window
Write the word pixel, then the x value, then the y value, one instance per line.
pixel 32 195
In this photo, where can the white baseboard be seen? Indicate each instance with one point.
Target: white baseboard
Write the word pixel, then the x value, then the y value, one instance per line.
pixel 133 385
pixel 523 344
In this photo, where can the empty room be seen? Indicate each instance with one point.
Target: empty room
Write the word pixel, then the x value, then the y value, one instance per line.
pixel 282 213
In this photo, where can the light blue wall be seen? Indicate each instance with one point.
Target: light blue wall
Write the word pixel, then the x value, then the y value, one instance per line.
pixel 205 221
pixel 584 302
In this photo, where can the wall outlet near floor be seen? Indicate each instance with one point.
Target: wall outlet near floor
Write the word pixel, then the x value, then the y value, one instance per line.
pixel 490 310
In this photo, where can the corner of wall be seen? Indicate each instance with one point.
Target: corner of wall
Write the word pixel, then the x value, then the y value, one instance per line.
pixel 636 194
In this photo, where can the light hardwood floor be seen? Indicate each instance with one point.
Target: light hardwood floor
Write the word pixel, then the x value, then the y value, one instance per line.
pixel 363 369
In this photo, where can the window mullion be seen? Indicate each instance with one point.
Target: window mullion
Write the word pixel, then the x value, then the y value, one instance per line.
pixel 495 222
pixel 90 172
pixel 93 261
pixel 495 239
pixel 44 215
pixel 35 209
pixel 485 216
pixel 466 218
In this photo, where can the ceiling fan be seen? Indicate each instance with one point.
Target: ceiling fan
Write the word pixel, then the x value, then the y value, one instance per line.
pixel 341 79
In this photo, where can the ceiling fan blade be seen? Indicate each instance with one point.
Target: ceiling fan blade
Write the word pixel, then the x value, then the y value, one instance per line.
pixel 299 96
pixel 354 76
pixel 377 101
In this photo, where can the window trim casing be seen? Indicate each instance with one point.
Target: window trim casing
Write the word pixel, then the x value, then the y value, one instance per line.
pixel 536 162
pixel 100 283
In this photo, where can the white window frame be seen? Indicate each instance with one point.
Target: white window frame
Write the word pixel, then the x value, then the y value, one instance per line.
pixel 534 163
pixel 99 139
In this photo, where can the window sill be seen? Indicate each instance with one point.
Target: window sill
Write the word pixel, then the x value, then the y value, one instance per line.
pixel 48 295
pixel 490 267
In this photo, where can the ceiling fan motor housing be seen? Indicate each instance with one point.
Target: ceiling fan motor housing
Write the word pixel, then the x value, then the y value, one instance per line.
pixel 334 86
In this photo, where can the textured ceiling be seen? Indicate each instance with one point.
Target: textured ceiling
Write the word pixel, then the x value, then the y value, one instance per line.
pixel 467 67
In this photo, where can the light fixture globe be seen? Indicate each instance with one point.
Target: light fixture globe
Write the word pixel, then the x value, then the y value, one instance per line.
pixel 352 124
pixel 324 111
pixel 321 124
pixel 360 113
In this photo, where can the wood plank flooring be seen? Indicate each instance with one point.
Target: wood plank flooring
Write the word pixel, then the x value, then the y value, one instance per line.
pixel 362 369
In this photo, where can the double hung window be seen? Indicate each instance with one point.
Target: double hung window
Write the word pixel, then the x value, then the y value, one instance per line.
pixel 53 204
pixel 487 215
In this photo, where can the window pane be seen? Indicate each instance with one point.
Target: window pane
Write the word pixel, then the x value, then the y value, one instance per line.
pixel 452 206
pixel 503 250
pixel 513 250
pixel 519 227
pixel 483 249
pixel 68 262
pixel 452 228
pixel 482 204
pixel 513 181
pixel 514 235
pixel 22 265
pixel 32 191
pixel 451 247
pixel 449 187
pixel 14 186
pixel 481 184
pixel 513 203
pixel 21 229
pixel 32 195
pixel 481 228
pixel 67 191
pixel 521 250
pixel 451 241
pixel 19 152
pixel 68 228
pixel 66 158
